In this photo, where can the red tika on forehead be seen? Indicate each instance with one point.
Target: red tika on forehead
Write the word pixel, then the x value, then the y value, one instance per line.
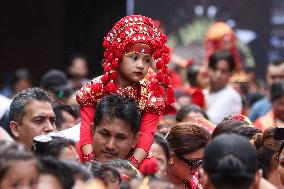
pixel 139 48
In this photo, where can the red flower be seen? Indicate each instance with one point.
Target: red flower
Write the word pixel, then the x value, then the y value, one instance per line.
pixel 115 64
pixel 106 54
pixel 164 38
pixel 113 75
pixel 159 64
pixel 136 28
pixel 160 77
pixel 165 70
pixel 111 87
pixel 166 81
pixel 105 78
pixel 107 68
pixel 106 44
pixel 122 35
pixel 114 44
pixel 170 95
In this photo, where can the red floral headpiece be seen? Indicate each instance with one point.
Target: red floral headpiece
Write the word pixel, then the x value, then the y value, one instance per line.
pixel 219 34
pixel 128 31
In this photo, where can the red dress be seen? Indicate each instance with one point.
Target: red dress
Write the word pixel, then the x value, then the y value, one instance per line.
pixel 150 106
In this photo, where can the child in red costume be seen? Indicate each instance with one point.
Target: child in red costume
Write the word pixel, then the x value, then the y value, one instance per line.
pixel 130 47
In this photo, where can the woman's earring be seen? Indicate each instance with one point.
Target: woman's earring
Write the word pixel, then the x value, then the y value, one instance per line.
pixel 171 161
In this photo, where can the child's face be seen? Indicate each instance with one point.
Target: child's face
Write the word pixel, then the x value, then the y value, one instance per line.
pixel 21 175
pixel 133 67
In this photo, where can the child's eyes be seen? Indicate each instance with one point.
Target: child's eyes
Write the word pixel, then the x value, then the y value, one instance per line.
pixel 134 57
pixel 147 61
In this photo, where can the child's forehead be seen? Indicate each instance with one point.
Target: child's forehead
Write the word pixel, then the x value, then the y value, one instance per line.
pixel 141 48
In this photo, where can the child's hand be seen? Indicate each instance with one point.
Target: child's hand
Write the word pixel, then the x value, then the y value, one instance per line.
pixel 90 157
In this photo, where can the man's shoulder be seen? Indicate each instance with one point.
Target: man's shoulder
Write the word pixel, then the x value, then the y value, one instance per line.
pixel 262 102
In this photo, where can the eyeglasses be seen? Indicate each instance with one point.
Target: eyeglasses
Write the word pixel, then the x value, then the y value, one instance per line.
pixel 193 164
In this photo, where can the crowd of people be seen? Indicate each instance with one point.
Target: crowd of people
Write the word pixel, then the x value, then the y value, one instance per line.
pixel 149 121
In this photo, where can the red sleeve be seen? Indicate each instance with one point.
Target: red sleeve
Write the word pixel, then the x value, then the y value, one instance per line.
pixel 147 129
pixel 86 137
pixel 197 97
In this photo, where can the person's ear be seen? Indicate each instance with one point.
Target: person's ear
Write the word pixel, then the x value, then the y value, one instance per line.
pixel 257 179
pixel 275 160
pixel 14 126
pixel 172 158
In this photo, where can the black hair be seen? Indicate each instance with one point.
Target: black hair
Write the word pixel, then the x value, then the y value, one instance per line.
pixel 222 55
pixel 58 109
pixel 17 107
pixel 104 172
pixel 192 73
pixel 121 107
pixel 21 74
pixel 277 62
pixel 55 146
pixel 58 169
pixel 121 165
pixel 237 127
pixel 231 162
pixel 160 140
pixel 276 91
pixel 74 56
pixel 78 170
pixel 267 147
pixel 11 152
pixel 187 109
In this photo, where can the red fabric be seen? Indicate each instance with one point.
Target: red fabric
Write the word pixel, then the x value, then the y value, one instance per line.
pixel 147 129
pixel 197 96
pixel 86 137
pixel 149 166
pixel 176 79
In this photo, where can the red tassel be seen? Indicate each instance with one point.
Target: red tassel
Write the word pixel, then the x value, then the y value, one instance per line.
pixel 114 64
pixel 113 75
pixel 111 87
pixel 170 95
pixel 96 88
pixel 166 81
pixel 160 77
pixel 107 68
pixel 159 64
pixel 105 78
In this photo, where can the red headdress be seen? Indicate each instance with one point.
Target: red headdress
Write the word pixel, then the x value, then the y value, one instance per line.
pixel 220 36
pixel 128 31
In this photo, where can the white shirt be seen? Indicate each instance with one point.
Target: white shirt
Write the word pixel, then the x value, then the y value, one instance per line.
pixel 72 133
pixel 4 105
pixel 222 103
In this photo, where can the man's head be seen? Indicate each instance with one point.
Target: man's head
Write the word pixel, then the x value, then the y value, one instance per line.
pixel 31 115
pixel 116 125
pixel 275 72
pixel 221 65
pixel 230 161
pixel 56 83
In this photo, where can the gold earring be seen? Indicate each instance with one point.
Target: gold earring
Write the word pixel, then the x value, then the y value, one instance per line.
pixel 171 162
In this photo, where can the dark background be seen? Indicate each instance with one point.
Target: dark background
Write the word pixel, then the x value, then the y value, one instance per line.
pixel 40 35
